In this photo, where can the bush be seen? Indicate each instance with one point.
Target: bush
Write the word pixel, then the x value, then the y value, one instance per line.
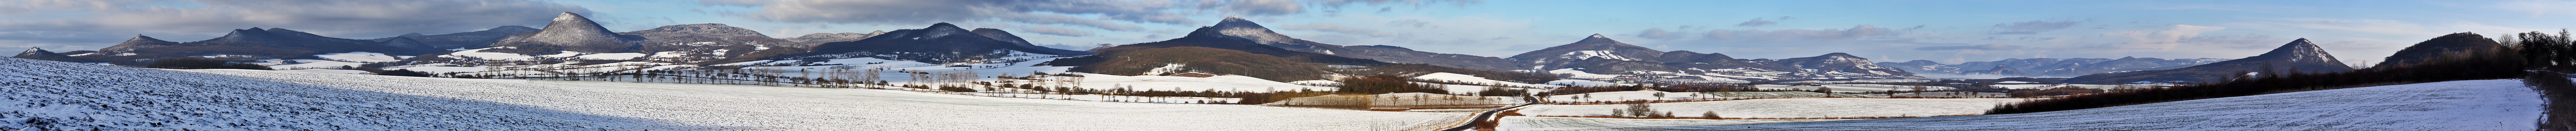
pixel 2554 86
pixel 2054 92
pixel 405 72
pixel 1383 84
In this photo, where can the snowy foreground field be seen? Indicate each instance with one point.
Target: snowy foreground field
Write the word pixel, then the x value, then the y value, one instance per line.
pixel 1794 107
pixel 2499 105
pixel 48 95
pixel 1805 109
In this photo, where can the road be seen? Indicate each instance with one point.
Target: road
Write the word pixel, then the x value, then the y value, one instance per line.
pixel 1480 117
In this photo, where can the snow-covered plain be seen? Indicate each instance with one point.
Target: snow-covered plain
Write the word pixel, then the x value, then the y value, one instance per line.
pixel 48 95
pixel 366 57
pixel 1954 94
pixel 442 69
pixel 71 96
pixel 793 108
pixel 1410 99
pixel 315 64
pixel 1855 88
pixel 2485 105
pixel 2085 86
pixel 1170 83
pixel 1649 95
pixel 1474 80
pixel 333 71
pixel 1533 123
pixel 1794 107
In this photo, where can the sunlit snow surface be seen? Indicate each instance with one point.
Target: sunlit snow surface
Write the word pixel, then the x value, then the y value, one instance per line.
pixel 67 96
pixel 792 108
pixel 2500 105
pixel 367 57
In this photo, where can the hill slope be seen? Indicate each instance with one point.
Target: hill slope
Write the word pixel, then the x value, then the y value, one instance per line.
pixel 476 39
pixel 2298 55
pixel 42 54
pixel 1239 28
pixel 2501 105
pixel 2455 42
pixel 939 43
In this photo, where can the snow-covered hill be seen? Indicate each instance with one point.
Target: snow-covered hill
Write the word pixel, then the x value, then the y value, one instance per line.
pixel 2498 105
pixel 61 96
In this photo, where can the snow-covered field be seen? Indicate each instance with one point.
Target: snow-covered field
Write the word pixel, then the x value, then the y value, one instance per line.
pixel 1953 94
pixel 1574 82
pixel 2486 105
pixel 1794 108
pixel 1407 99
pixel 1170 83
pixel 366 57
pixel 1649 95
pixel 1474 80
pixel 313 64
pixel 71 96
pixel 48 95
pixel 333 71
pixel 1532 123
pixel 2085 86
pixel 1854 88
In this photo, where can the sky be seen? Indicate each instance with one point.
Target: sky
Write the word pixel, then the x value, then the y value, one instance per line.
pixel 1948 32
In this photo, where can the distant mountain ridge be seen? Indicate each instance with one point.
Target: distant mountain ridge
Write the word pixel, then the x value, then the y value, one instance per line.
pixel 939 43
pixel 42 54
pixel 1602 55
pixel 246 45
pixel 819 38
pixel 475 39
pixel 2299 56
pixel 1238 28
pixel 2049 67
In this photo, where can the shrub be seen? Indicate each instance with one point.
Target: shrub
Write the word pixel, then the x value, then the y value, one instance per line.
pixel 405 72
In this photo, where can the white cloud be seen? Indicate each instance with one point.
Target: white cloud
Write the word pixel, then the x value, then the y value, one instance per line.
pixel 2033 27
pixel 2164 39
pixel 1757 21
pixel 2539 7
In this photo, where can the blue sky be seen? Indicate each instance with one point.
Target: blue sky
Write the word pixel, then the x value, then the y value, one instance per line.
pixel 1895 31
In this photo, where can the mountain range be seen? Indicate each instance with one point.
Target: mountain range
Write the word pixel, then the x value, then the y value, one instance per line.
pixel 1600 54
pixel 2047 67
pixel 571 41
pixel 2296 56
pixel 1237 28
pixel 462 39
